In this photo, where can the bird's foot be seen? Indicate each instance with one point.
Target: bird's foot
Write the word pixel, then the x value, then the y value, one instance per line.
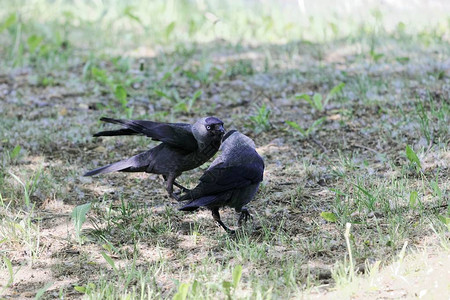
pixel 230 231
pixel 245 215
pixel 216 216
pixel 182 188
pixel 176 196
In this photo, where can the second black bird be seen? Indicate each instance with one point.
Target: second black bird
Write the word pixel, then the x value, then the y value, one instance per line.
pixel 232 179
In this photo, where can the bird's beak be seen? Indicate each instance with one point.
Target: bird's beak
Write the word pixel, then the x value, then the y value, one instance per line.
pixel 221 130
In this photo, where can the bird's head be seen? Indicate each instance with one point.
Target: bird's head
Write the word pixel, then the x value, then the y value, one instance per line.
pixel 207 130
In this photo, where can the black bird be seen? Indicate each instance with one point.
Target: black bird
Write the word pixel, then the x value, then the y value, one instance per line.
pixel 183 147
pixel 232 179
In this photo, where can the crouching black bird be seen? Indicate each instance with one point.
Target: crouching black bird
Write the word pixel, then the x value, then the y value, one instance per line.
pixel 183 147
pixel 232 179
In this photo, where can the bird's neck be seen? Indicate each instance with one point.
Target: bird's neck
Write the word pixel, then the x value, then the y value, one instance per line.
pixel 208 147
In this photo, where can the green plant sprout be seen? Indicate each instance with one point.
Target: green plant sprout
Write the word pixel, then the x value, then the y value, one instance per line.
pixel 317 101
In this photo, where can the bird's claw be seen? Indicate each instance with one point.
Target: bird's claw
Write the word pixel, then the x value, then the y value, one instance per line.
pixel 175 195
pixel 245 215
pixel 231 231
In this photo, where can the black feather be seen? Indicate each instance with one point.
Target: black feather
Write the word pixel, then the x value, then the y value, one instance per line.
pixel 227 135
pixel 116 132
pixel 224 177
pixel 175 134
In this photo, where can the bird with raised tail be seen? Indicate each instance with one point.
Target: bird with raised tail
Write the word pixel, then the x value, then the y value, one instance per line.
pixel 183 147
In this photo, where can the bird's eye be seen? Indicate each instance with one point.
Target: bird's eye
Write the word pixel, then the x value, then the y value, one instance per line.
pixel 208 127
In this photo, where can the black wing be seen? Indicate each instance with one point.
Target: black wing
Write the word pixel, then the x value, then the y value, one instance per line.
pixel 223 177
pixel 203 201
pixel 175 134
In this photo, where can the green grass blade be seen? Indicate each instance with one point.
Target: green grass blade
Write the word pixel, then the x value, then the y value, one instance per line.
pixel 237 273
pixel 412 157
pixel 42 290
pixel 182 292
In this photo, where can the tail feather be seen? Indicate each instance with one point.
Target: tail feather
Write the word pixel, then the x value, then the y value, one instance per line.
pixel 116 132
pixel 196 203
pixel 131 127
pixel 188 208
pixel 138 163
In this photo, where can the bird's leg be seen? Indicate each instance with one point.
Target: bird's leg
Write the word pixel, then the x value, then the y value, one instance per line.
pixel 169 186
pixel 216 216
pixel 183 189
pixel 245 215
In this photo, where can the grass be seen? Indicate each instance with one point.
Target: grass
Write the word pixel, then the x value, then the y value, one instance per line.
pixel 351 116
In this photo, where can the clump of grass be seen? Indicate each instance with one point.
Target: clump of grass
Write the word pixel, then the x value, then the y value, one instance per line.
pixel 261 120
pixel 20 231
pixel 116 88
pixel 180 105
pixel 306 133
pixel 240 68
pixel 29 186
pixel 205 74
pixel 317 101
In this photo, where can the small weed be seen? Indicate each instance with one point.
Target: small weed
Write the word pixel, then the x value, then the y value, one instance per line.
pixel 206 74
pixel 375 55
pixel 169 29
pixel 305 134
pixel 240 68
pixel 424 122
pixel 78 219
pixel 118 90
pixel 22 231
pixel 232 286
pixel 179 104
pixel 317 101
pixel 109 260
pixel 42 290
pixel 8 264
pixel 367 198
pixel 413 198
pixel 28 187
pixel 182 293
pixel 10 157
pixel 10 20
pixel 328 216
pixel 121 95
pixel 186 104
pixel 260 121
pixel 344 273
pixel 413 158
